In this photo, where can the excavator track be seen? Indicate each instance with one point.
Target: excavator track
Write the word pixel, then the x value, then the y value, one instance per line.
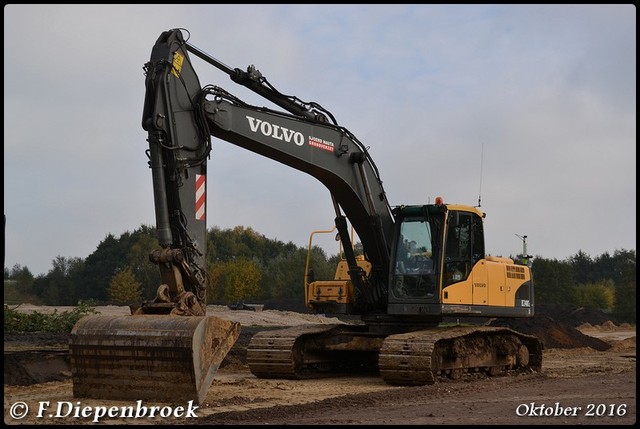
pixel 413 358
pixel 422 357
pixel 312 351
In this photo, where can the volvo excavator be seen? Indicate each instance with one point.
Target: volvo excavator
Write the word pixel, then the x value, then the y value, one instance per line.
pixel 421 263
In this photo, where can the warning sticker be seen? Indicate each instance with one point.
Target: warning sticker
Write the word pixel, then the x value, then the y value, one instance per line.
pixel 178 59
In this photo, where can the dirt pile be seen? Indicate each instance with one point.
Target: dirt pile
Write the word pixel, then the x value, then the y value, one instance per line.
pixel 557 326
pixel 574 315
pixel 626 345
pixel 36 366
pixel 552 333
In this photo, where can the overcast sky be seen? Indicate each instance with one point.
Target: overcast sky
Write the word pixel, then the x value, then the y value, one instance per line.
pixel 529 108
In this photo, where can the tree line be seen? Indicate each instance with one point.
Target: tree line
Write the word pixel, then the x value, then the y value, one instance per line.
pixel 243 265
pixel 246 266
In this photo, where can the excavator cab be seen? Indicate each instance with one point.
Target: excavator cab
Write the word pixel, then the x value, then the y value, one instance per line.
pixel 415 270
pixel 440 267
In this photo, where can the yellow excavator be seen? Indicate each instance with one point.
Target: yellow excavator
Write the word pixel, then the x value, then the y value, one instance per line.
pixel 420 264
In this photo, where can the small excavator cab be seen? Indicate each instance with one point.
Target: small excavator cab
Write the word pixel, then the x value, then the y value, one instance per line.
pixel 417 251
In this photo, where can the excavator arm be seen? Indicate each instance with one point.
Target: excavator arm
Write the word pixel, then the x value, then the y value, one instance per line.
pixel 178 158
pixel 168 349
pixel 182 115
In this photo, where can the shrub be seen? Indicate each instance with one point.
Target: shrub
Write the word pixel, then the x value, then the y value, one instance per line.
pixel 56 322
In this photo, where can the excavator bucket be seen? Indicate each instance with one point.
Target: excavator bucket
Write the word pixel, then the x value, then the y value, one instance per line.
pixel 148 357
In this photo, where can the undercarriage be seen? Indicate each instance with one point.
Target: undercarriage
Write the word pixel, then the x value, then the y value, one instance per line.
pixel 412 358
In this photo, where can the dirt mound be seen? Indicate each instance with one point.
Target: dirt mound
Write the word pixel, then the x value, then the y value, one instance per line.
pixel 38 339
pixel 574 316
pixel 36 366
pixel 552 333
pixel 608 326
pixel 626 345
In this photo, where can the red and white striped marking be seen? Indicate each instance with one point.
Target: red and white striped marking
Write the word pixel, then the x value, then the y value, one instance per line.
pixel 200 196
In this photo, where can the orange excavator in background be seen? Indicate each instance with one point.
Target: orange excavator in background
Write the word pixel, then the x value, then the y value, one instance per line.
pixel 420 264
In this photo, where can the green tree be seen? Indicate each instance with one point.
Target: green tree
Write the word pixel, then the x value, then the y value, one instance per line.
pixel 100 267
pixel 584 268
pixel 113 255
pixel 553 281
pixel 18 285
pixel 235 280
pixel 144 241
pixel 60 285
pixel 624 277
pixel 600 295
pixel 284 275
pixel 124 288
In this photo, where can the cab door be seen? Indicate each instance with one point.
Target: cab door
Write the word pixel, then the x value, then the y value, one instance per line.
pixel 479 283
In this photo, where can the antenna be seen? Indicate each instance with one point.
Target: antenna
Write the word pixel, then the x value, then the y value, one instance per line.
pixel 481 160
pixel 525 254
